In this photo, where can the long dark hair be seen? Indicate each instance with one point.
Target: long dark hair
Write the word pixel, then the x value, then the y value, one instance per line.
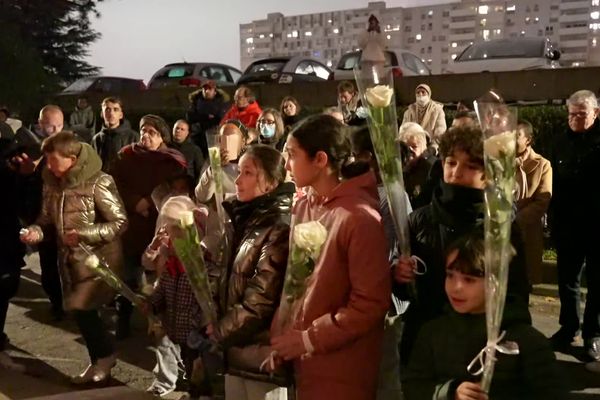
pixel 270 161
pixel 327 134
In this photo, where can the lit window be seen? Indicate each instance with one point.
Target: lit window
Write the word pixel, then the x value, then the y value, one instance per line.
pixel 336 30
pixel 249 40
pixel 527 19
pixel 537 19
pixel 329 21
pixel 454 44
pixel 522 33
pixel 418 36
pixel 483 10
pixel 308 33
pixel 575 64
pixel 270 35
pixel 486 34
pixel 453 56
pixel 430 13
pixel 497 31
pixel 484 55
pixel 483 21
pixel 594 42
pixel 294 33
pixel 511 8
pixel 261 36
pixel 595 14
pixel 389 37
pixel 289 35
pixel 595 2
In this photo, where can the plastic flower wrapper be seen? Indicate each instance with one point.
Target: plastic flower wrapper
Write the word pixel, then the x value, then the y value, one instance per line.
pixel 214 154
pixel 376 87
pixel 498 124
pixel 181 225
pixel 306 242
pixel 103 271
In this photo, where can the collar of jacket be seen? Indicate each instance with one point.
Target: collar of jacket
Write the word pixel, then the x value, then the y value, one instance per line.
pixel 277 202
pixel 455 206
pixel 87 165
pixel 361 187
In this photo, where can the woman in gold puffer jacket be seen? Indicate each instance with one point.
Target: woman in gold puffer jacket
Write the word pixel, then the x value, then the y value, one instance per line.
pixel 82 203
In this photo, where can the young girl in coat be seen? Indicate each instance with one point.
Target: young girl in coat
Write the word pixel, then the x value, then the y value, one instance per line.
pixel 335 336
pixel 82 203
pixel 445 346
pixel 260 216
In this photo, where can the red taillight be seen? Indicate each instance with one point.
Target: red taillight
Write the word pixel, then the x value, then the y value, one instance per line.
pixel 397 72
pixel 190 82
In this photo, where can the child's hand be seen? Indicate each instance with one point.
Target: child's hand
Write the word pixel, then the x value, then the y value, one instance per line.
pixel 71 238
pixel 142 207
pixel 470 391
pixel 160 238
pixel 29 236
pixel 404 270
pixel 289 346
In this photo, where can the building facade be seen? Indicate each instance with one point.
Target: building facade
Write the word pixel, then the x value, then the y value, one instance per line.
pixel 435 33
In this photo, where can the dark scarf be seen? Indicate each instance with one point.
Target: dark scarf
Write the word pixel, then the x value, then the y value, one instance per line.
pixel 457 206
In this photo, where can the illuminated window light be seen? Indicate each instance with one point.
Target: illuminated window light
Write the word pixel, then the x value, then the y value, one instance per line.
pixel 483 10
pixel 418 37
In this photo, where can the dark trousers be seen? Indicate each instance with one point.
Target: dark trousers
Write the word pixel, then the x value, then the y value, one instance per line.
pixel 96 336
pixel 9 284
pixel 48 251
pixel 573 252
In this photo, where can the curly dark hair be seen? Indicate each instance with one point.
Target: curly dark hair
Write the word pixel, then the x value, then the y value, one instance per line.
pixel 470 257
pixel 467 139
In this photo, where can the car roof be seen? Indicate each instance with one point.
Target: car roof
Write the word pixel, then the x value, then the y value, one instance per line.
pixel 199 63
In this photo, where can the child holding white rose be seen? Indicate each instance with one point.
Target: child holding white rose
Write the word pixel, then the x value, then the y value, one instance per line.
pixel 457 207
pixel 173 298
pixel 335 334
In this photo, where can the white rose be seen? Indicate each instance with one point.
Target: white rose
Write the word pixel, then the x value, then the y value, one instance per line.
pixel 504 143
pixel 380 96
pixel 310 236
pixel 92 261
pixel 186 218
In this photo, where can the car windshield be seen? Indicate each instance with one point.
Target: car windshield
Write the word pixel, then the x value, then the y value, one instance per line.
pixel 80 85
pixel 503 49
pixel 267 66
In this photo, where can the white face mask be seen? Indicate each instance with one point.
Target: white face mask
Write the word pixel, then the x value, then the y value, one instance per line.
pixel 422 100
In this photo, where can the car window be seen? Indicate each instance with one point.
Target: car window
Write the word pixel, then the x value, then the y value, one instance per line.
pixel 305 68
pixel 503 49
pixel 107 85
pixel 235 75
pixel 215 73
pixel 410 62
pixel 175 72
pixel 267 66
pixel 348 61
pixel 422 68
pixel 80 85
pixel 320 70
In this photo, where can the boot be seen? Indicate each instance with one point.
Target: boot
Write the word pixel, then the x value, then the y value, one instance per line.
pixel 103 367
pixel 124 311
pixel 86 376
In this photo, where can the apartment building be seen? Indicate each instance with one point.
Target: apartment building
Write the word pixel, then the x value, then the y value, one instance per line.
pixel 435 33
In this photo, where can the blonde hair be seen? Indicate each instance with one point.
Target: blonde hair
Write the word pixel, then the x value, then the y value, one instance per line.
pixel 412 130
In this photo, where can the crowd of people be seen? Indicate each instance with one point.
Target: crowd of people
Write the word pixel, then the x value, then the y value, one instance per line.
pixel 369 324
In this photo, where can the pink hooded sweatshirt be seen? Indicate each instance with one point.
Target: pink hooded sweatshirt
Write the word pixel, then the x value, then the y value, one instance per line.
pixel 348 294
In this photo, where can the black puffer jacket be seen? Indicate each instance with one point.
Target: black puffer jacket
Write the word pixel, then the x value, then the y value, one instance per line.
pixel 108 142
pixel 259 261
pixel 11 256
pixel 199 115
pixel 453 212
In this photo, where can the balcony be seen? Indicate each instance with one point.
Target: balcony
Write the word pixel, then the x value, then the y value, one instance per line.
pixel 573 43
pixel 575 5
pixel 579 30
pixel 462 25
pixel 585 17
pixel 463 12
pixel 573 57
pixel 462 37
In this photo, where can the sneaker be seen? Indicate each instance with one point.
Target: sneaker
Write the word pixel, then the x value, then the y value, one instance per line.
pixel 562 339
pixel 592 349
pixel 159 391
pixel 7 363
pixel 593 366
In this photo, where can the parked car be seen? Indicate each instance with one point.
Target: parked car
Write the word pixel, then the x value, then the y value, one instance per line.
pixel 193 75
pixel 104 84
pixel 506 55
pixel 403 62
pixel 285 70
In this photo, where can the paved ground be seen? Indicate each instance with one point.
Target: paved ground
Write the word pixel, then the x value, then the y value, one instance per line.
pixel 54 351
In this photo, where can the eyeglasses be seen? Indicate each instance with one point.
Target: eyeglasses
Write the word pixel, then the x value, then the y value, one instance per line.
pixel 582 114
pixel 266 121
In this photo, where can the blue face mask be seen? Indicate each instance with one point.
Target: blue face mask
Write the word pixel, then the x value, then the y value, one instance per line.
pixel 267 131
